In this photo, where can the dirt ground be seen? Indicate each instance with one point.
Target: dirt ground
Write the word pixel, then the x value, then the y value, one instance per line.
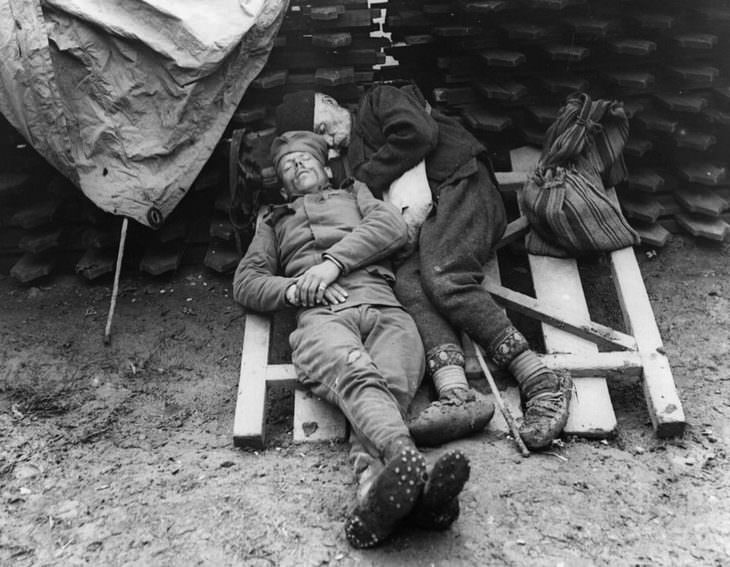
pixel 122 454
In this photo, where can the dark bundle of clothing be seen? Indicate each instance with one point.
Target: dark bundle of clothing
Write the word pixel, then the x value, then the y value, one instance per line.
pixel 565 200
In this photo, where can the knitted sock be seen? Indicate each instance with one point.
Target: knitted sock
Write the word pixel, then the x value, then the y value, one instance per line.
pixel 531 374
pixel 446 366
pixel 449 378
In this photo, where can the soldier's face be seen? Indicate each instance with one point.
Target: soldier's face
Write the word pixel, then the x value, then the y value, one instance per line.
pixel 301 173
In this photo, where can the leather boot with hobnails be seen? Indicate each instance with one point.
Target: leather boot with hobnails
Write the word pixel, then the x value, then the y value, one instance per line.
pixel 438 506
pixel 389 498
pixel 458 413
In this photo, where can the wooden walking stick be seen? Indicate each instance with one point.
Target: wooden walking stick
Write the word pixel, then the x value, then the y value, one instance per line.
pixel 115 288
pixel 524 451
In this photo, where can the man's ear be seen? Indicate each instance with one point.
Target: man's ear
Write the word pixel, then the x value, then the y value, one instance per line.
pixel 328 171
pixel 283 193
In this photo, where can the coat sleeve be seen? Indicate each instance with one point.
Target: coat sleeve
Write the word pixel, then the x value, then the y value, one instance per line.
pixel 381 232
pixel 257 284
pixel 408 130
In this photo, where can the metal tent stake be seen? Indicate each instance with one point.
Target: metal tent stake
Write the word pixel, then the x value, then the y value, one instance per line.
pixel 115 288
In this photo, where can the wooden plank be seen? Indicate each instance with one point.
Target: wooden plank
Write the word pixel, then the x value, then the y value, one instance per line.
pixel 664 405
pixel 283 373
pixel 590 330
pixel 511 180
pixel 606 364
pixel 557 282
pixel 315 419
pixel 248 421
pixel 515 230
pixel 524 160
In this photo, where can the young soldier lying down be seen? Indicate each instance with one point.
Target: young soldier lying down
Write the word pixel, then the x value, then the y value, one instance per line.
pixel 325 253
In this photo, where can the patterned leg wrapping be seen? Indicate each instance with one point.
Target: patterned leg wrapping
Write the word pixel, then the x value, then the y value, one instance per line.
pixel 506 346
pixel 438 506
pixel 390 498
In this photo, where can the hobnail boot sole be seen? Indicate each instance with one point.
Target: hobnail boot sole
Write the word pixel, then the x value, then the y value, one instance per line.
pixel 391 498
pixel 438 506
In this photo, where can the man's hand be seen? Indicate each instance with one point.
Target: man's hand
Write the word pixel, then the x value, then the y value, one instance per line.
pixel 333 295
pixel 312 284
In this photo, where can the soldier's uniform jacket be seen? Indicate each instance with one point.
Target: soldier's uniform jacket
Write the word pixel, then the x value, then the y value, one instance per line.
pixel 348 224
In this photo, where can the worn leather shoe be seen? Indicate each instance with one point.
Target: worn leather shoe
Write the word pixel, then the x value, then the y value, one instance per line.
pixel 546 412
pixel 458 413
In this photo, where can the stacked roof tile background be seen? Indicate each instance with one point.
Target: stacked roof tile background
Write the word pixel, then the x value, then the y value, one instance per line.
pixel 503 66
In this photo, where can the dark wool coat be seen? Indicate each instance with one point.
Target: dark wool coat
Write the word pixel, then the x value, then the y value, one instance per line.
pixel 395 128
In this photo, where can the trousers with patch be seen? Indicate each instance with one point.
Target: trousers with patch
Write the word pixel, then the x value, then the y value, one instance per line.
pixel 368 361
pixel 440 285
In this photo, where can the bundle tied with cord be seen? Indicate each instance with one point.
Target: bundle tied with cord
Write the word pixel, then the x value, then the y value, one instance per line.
pixel 565 200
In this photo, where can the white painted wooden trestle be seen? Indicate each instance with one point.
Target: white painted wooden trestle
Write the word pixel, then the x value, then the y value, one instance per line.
pixel 571 342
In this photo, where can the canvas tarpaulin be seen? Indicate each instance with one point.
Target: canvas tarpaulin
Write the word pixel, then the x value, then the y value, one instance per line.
pixel 128 98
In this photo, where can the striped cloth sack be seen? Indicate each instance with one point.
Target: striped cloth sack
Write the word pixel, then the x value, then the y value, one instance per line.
pixel 565 199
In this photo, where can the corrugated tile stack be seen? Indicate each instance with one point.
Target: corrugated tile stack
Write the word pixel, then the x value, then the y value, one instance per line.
pixel 505 67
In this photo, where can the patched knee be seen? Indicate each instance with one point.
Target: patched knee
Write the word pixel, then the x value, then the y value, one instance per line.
pixel 354 355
